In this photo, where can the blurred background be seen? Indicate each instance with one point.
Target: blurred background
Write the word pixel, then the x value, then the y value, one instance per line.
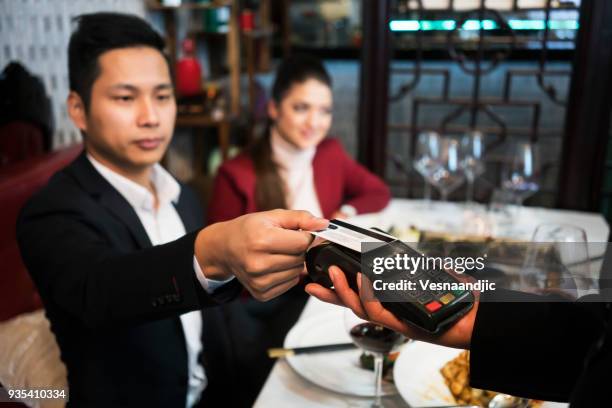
pixel 516 72
pixel 504 103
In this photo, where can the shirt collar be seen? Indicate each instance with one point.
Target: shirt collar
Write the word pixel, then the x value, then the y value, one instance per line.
pixel 167 188
pixel 287 155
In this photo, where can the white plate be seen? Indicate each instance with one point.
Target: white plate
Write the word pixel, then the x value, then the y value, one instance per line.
pixel 418 379
pixel 337 371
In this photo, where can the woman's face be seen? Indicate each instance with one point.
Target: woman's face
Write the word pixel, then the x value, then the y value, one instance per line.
pixel 303 117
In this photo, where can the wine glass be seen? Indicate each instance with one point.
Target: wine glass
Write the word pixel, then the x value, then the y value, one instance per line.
pixel 473 147
pixel 448 174
pixel 523 173
pixel 375 339
pixel 558 262
pixel 427 152
pixel 502 213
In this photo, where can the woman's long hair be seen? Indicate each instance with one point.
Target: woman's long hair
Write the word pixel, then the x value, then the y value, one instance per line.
pixel 270 188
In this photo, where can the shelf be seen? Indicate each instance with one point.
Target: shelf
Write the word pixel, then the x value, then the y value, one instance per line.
pixel 200 120
pixel 155 5
pixel 250 35
pixel 257 71
pixel 259 33
pixel 204 33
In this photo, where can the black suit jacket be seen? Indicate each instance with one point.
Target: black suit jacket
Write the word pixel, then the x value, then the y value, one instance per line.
pixel 558 351
pixel 113 300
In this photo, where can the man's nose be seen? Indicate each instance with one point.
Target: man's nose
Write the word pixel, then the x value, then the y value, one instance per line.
pixel 147 114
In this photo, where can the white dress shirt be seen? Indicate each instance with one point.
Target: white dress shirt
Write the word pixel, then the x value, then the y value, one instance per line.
pixel 162 226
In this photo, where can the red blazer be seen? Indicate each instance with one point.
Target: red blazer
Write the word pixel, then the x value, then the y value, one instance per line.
pixel 338 180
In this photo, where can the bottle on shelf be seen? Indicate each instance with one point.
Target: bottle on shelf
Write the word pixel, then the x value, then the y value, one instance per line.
pixel 247 20
pixel 216 20
pixel 188 71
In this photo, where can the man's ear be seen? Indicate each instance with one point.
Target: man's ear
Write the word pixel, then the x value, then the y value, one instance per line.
pixel 272 109
pixel 76 110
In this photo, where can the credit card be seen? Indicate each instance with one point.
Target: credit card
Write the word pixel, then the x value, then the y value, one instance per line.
pixel 350 235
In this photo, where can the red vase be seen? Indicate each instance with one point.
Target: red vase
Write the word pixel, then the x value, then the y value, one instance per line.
pixel 188 71
pixel 247 20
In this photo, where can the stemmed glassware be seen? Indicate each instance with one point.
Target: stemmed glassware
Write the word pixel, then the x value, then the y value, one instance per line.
pixel 522 175
pixel 473 149
pixel 448 174
pixel 374 339
pixel 558 262
pixel 425 162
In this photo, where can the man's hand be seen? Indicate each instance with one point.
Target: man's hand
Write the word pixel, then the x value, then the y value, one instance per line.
pixel 458 335
pixel 339 215
pixel 264 251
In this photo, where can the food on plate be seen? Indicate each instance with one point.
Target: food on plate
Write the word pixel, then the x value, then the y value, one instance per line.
pixel 456 375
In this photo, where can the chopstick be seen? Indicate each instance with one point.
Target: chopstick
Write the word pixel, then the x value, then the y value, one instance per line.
pixel 287 352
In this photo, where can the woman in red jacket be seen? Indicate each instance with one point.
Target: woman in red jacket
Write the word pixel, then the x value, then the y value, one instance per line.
pixel 293 165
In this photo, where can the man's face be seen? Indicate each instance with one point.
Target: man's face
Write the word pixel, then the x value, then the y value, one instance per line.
pixel 303 117
pixel 132 109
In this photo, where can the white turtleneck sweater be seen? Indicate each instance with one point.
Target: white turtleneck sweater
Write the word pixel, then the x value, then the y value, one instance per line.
pixel 295 168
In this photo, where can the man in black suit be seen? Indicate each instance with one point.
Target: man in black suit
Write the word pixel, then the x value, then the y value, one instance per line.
pixel 525 345
pixel 116 247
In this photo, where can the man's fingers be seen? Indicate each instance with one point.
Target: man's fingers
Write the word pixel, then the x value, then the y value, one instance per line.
pixel 267 264
pixel 380 315
pixel 296 220
pixel 323 294
pixel 267 282
pixel 278 290
pixel 374 309
pixel 317 241
pixel 286 231
pixel 345 293
pixel 304 272
pixel 283 241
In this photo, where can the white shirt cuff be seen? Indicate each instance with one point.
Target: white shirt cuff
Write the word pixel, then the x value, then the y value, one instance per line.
pixel 209 285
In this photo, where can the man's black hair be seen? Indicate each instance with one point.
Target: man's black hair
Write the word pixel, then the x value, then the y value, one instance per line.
pixel 98 33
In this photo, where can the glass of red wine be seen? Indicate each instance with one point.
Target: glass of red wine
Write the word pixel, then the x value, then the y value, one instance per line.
pixel 375 339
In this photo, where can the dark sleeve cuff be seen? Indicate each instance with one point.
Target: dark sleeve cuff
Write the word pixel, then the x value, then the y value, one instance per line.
pixel 223 294
pixel 528 348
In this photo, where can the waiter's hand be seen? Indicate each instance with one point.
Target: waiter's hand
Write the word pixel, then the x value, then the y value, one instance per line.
pixel 366 307
pixel 264 251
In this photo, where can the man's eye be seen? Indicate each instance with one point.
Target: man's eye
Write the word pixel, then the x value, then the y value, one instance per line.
pixel 166 97
pixel 300 108
pixel 123 98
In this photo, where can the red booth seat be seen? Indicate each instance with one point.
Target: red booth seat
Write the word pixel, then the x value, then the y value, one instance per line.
pixel 18 182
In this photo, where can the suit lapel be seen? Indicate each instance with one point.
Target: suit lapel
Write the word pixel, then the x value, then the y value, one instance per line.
pixel 187 212
pixel 116 204
pixel 93 182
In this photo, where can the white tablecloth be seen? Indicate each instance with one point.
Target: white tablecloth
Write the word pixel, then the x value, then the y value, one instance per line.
pixel 285 387
pixel 444 216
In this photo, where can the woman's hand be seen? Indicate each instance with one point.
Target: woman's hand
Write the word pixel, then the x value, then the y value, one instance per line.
pixel 458 336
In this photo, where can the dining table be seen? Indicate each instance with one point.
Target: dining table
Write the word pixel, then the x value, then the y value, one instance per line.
pixel 287 387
